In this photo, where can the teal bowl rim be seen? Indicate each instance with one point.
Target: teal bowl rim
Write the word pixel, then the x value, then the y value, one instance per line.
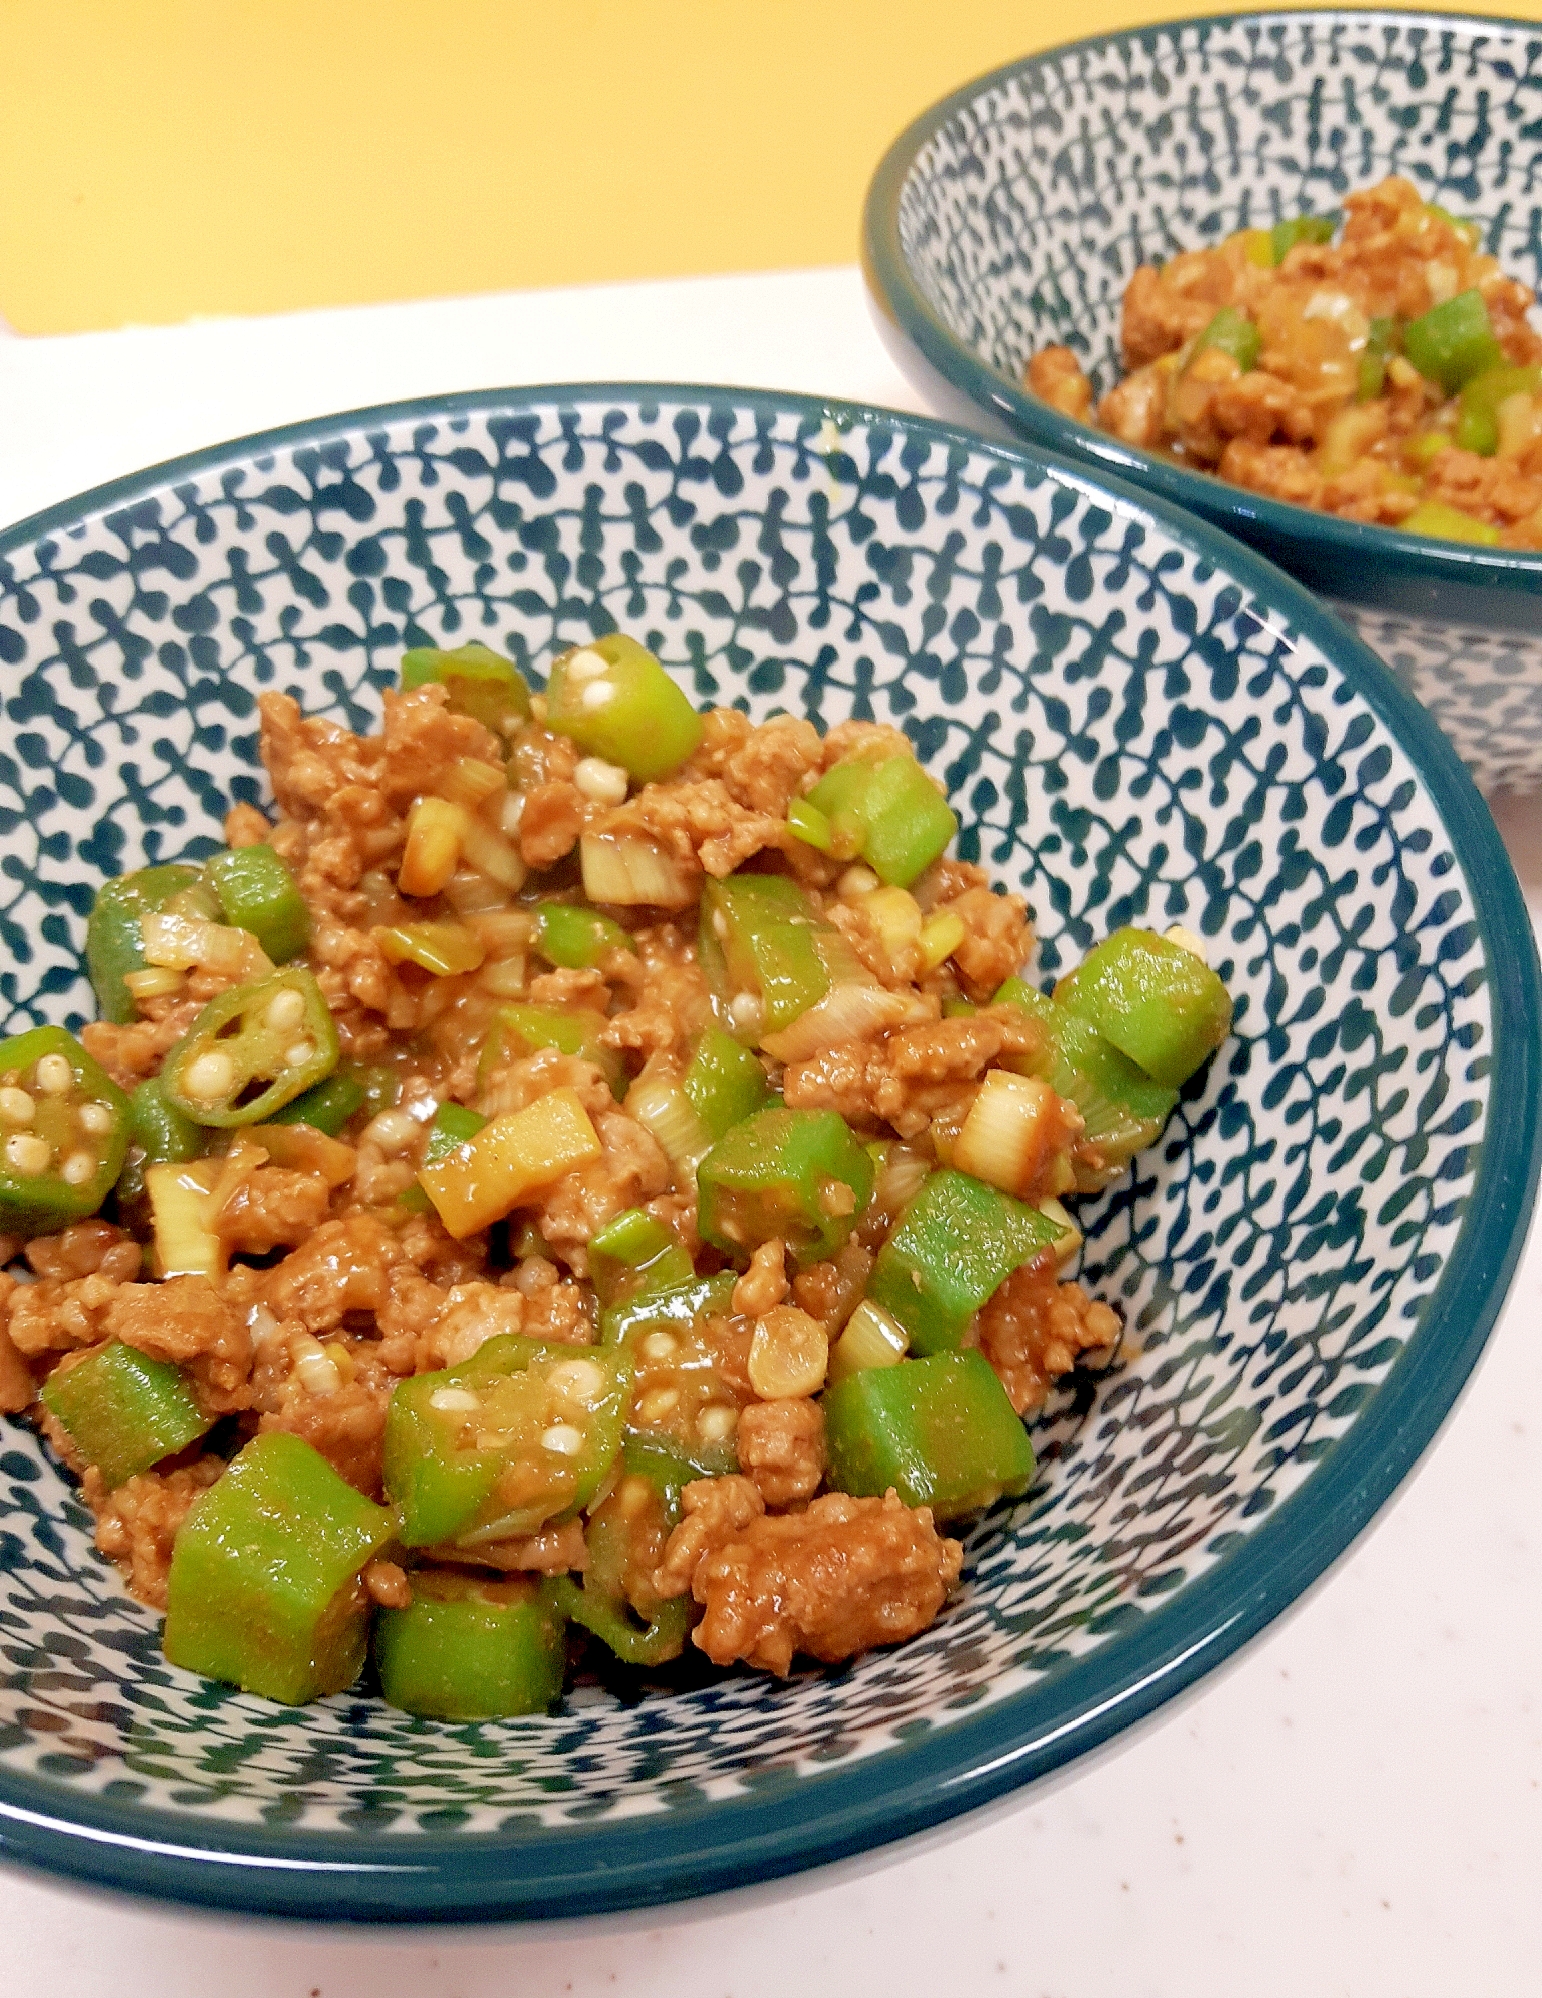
pixel 1339 550
pixel 569 1873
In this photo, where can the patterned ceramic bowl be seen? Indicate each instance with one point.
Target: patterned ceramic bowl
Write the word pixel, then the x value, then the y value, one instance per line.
pixel 1138 720
pixel 1013 214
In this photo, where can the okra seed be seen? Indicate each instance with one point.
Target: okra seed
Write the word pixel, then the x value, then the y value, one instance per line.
pixel 316 1373
pixel 659 1346
pixel 454 1401
pixel 746 1012
pixel 655 1406
pixel 55 1077
pixel 719 925
pixel 577 1380
pixel 298 1055
pixel 210 1077
pixel 285 1010
pixel 392 1131
pixel 717 1423
pixel 584 665
pixel 596 694
pixel 16 1107
pixel 28 1155
pixel 1185 939
pixel 96 1118
pixel 855 883
pixel 563 1440
pixel 77 1168
pixel 600 782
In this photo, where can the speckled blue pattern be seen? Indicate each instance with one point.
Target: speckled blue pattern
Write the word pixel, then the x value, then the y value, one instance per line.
pixel 1137 723
pixel 1013 216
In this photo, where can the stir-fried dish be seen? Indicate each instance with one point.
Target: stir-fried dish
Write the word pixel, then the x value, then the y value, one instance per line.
pixel 584 1173
pixel 1391 375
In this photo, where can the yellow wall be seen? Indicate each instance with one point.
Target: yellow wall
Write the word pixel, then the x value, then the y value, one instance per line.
pixel 163 158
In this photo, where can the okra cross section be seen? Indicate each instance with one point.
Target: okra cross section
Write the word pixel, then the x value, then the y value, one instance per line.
pixel 798 1176
pixel 64 1128
pixel 616 702
pixel 252 1050
pixel 124 1410
pixel 521 1434
pixel 941 1432
pixel 1154 999
pixel 956 1243
pixel 265 1589
pixel 114 943
pixel 471 1647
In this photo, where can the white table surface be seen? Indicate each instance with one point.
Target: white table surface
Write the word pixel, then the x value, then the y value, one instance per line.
pixel 1355 1808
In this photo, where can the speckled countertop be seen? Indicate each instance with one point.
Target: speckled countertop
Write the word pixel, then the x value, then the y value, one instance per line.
pixel 1355 1808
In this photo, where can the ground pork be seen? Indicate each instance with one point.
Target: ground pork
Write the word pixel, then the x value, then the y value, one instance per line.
pixel 344 1267
pixel 912 1077
pixel 835 1580
pixel 714 1510
pixel 1055 376
pixel 54 1316
pixel 347 1426
pixel 764 1283
pixel 274 1208
pixel 631 1168
pixel 191 1322
pixel 85 1248
pixel 136 1525
pixel 1035 1329
pixel 781 1447
pixel 132 1053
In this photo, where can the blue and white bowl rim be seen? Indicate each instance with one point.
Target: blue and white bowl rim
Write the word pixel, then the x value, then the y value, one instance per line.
pixel 1415 558
pixel 715 1847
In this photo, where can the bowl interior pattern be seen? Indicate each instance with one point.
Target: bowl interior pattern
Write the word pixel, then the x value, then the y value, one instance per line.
pixel 1136 723
pixel 1022 216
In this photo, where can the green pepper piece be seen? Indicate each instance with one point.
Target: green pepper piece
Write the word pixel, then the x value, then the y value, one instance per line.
pixel 724 1082
pixel 251 1051
pixel 470 1647
pixel 669 1306
pixel 1294 229
pixel 453 1125
pixel 1122 1108
pixel 1450 523
pixel 1232 332
pixel 633 1255
pixel 1453 342
pixel 328 1106
pixel 67 1130
pixel 616 701
pixel 264 1588
pixel 258 893
pixel 906 822
pixel 114 945
pixel 519 1435
pixel 794 1175
pixel 1154 1000
pixel 1380 345
pixel 940 1432
pixel 481 683
pixel 576 937
pixel 124 1411
pixel 574 1030
pixel 955 1245
pixel 1477 426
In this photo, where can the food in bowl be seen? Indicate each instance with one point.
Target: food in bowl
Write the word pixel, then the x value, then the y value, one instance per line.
pixel 589 1164
pixel 1390 376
